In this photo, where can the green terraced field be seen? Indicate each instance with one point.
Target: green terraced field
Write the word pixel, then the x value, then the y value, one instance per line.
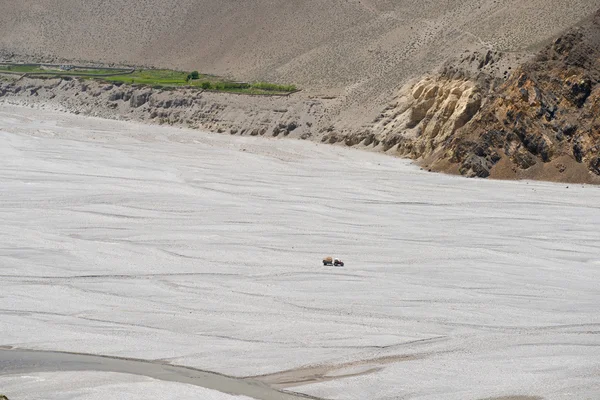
pixel 156 78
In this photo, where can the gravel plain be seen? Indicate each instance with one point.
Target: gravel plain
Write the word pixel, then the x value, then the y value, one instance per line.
pixel 205 250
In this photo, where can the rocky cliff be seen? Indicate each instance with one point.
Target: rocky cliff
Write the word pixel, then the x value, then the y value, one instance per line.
pixel 543 121
pixel 536 121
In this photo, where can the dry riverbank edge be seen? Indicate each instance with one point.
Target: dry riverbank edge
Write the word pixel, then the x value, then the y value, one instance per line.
pixel 236 114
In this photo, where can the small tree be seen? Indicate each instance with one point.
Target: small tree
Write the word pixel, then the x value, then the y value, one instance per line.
pixel 205 85
pixel 195 75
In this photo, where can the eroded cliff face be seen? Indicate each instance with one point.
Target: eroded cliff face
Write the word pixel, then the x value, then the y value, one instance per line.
pixel 424 116
pixel 270 116
pixel 429 114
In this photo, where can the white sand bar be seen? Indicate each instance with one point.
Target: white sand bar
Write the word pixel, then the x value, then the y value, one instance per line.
pixel 205 250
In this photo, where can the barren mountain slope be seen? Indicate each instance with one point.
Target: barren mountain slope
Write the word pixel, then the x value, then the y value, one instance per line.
pixel 368 46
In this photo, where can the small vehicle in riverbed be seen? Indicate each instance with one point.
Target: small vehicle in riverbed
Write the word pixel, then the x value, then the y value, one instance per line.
pixel 330 261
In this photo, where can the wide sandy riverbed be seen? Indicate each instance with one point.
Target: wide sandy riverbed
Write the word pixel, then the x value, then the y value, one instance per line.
pixel 205 250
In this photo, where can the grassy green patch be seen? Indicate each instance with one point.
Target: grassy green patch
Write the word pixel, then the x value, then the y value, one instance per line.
pixel 157 78
pixel 273 87
pixel 42 70
pixel 152 77
pixel 170 78
pixel 18 68
pixel 242 87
